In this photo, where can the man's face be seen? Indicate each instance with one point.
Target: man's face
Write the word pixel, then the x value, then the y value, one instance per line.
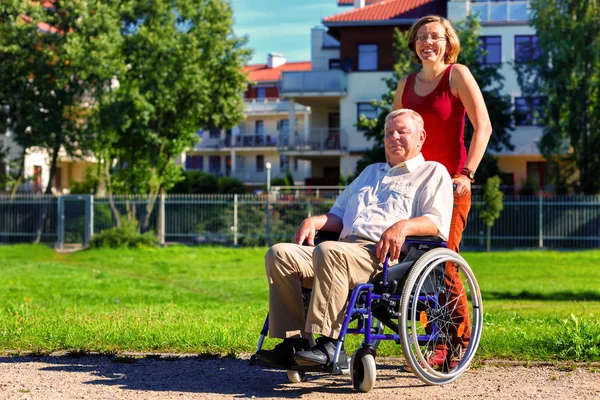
pixel 403 139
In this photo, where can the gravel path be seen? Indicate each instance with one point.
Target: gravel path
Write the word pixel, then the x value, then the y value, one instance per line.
pixel 101 377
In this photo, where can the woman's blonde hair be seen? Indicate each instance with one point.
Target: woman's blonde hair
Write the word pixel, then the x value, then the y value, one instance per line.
pixel 452 45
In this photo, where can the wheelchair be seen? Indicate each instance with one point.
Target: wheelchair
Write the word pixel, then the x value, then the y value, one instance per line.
pixel 411 304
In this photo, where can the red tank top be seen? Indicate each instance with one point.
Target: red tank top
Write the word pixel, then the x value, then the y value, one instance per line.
pixel 444 117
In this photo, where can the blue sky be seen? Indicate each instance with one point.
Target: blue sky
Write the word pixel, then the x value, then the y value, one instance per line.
pixel 280 26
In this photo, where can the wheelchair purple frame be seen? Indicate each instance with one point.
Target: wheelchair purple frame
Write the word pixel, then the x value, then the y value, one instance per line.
pixel 366 290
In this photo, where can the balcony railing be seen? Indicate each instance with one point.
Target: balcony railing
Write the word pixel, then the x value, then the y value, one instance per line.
pixel 313 82
pixel 501 10
pixel 271 105
pixel 319 139
pixel 254 141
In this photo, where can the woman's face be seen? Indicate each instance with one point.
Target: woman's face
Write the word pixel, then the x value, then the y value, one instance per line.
pixel 431 43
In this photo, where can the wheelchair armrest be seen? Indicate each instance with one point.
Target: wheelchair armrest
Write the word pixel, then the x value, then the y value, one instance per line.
pixel 323 236
pixel 426 239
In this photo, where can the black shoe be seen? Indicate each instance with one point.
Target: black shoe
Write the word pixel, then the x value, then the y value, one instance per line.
pixel 282 356
pixel 322 354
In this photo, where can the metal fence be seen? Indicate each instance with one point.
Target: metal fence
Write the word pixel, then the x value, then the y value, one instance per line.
pixel 569 222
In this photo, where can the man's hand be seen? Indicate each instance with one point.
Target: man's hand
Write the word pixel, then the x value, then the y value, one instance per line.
pixel 391 242
pixel 306 231
pixel 463 185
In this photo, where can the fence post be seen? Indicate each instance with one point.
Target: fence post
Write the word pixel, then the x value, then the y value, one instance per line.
pixel 268 227
pixel 541 220
pixel 60 234
pixel 161 220
pixel 309 205
pixel 235 219
pixel 89 219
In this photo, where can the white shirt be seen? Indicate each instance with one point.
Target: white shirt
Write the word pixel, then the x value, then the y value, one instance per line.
pixel 381 196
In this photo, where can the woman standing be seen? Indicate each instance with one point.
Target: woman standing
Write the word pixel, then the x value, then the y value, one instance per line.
pixel 442 92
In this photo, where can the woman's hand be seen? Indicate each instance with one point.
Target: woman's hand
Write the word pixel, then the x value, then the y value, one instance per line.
pixel 463 185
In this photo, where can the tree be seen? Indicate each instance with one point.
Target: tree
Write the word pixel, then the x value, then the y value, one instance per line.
pixel 564 69
pixel 492 206
pixel 183 71
pixel 489 79
pixel 53 60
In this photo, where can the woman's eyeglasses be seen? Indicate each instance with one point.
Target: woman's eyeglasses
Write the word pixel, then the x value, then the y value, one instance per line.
pixel 434 37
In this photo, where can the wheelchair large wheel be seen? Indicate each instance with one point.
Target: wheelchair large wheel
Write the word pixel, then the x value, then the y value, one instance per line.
pixel 439 291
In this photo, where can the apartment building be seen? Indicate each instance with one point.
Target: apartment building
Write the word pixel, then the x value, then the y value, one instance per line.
pixel 509 40
pixel 263 137
pixel 351 55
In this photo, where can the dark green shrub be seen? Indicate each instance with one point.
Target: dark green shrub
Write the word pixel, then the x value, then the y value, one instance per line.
pixel 195 182
pixel 229 185
pixel 125 236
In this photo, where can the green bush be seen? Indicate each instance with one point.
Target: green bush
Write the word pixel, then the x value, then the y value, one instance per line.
pixel 125 236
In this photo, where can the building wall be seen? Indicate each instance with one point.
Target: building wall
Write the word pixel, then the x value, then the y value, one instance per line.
pixel 382 36
pixel 320 56
pixel 362 87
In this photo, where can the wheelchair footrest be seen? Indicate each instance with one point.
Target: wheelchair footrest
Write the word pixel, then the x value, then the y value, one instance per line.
pixel 329 369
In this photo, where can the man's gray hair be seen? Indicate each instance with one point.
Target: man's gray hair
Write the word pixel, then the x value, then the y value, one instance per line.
pixel 402 111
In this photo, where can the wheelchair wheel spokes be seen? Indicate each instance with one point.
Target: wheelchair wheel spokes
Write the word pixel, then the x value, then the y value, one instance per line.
pixel 440 290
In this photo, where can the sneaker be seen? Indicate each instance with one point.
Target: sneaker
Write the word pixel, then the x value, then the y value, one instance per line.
pixel 322 354
pixel 282 356
pixel 456 356
pixel 438 356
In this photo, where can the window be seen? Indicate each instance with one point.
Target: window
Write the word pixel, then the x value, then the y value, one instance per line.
pixel 367 110
pixel 260 163
pixel 284 163
pixel 194 162
pixel 492 47
pixel 526 48
pixel 335 63
pixel 214 164
pixel 367 57
pixel 295 164
pixel 214 133
pixel 261 92
pixel 536 173
pixel 259 128
pixel 529 110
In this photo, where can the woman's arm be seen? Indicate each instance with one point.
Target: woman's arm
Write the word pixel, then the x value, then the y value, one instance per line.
pixel 469 93
pixel 398 96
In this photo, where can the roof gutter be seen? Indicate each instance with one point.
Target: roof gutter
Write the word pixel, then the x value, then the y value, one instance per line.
pixel 387 22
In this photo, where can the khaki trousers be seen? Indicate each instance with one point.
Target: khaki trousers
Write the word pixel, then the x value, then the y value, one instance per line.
pixel 331 269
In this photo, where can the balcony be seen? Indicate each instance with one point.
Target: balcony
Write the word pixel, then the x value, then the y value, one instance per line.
pixel 272 106
pixel 491 11
pixel 318 140
pixel 254 141
pixel 501 10
pixel 313 83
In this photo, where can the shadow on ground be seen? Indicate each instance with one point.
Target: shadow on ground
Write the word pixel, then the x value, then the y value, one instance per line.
pixel 224 376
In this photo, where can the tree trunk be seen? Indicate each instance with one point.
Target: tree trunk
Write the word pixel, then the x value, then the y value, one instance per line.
pixel 42 220
pixel 489 237
pixel 109 190
pixel 13 191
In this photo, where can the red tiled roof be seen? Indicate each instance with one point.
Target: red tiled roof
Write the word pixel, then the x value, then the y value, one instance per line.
pixel 260 72
pixel 387 9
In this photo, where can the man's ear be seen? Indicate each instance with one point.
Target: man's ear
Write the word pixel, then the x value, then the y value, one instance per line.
pixel 423 136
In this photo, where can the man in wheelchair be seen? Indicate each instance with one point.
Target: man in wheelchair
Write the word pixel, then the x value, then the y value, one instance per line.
pixel 387 202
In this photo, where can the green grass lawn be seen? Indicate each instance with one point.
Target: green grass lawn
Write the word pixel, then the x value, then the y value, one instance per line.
pixel 538 305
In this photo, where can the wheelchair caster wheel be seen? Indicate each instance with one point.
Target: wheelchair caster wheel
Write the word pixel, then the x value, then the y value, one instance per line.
pixel 363 372
pixel 295 376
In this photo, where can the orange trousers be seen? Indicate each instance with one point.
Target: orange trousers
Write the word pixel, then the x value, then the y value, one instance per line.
pixel 454 285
